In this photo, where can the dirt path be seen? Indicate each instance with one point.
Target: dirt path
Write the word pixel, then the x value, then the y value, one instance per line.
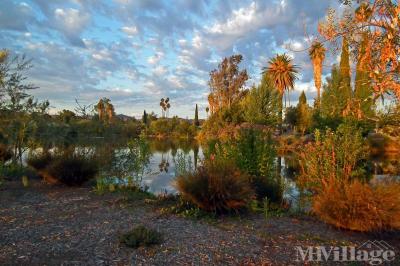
pixel 73 226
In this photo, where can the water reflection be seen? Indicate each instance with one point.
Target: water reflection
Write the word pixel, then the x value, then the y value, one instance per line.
pixel 153 165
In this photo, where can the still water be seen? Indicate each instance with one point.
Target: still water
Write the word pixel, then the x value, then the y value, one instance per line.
pixel 159 169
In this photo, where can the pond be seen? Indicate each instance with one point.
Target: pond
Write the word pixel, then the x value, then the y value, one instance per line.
pixel 160 155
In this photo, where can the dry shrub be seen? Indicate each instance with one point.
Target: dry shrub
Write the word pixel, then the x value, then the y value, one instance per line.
pixel 218 186
pixel 5 153
pixel 359 206
pixel 72 170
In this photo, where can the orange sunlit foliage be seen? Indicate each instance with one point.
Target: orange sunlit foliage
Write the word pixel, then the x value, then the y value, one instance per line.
pixel 380 21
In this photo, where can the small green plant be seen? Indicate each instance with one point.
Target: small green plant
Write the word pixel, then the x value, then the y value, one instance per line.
pixel 141 236
pixel 186 209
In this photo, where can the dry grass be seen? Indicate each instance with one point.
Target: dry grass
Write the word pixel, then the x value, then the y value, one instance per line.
pixel 217 187
pixel 359 206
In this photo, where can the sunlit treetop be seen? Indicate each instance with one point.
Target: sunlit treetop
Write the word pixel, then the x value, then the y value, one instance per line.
pixel 379 20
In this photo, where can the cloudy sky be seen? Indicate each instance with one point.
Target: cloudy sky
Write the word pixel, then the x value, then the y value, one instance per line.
pixel 137 51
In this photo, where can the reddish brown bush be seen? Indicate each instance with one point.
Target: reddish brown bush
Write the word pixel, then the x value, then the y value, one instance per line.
pixel 359 206
pixel 217 186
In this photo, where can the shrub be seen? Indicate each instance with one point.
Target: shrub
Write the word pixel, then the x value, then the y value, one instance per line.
pixel 72 170
pixel 217 186
pixel 359 206
pixel 39 162
pixel 141 236
pixel 5 153
pixel 254 152
pixel 339 155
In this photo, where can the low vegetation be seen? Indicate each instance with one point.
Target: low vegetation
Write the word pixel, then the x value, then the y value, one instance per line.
pixel 217 186
pixel 141 236
pixel 71 170
pixel 359 206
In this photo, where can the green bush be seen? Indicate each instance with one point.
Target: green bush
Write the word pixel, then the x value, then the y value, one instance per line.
pixel 141 236
pixel 15 171
pixel 254 152
pixel 217 186
pixel 339 155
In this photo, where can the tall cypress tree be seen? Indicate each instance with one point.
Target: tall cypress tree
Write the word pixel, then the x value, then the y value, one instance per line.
pixel 303 114
pixel 144 117
pixel 196 117
pixel 345 82
pixel 363 89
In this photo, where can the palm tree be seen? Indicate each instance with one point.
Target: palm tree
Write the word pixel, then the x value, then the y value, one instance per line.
pixel 109 110
pixel 283 74
pixel 100 109
pixel 317 55
pixel 162 105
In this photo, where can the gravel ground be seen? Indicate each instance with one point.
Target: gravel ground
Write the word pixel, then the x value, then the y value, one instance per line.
pixel 44 225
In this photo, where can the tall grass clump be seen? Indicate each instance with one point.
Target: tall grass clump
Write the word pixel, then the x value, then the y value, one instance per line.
pixel 359 206
pixel 71 170
pixel 333 170
pixel 217 186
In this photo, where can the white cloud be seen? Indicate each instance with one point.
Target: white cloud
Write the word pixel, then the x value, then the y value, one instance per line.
pixel 130 31
pixel 155 59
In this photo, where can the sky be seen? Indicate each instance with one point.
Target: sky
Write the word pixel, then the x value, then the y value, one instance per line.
pixel 135 52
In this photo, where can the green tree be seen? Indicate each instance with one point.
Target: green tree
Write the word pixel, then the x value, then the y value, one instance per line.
pixel 304 118
pixel 196 117
pixel 66 116
pixel 283 74
pixel 291 116
pixel 19 112
pixel 363 87
pixel 144 118
pixel 345 75
pixel 262 104
pixel 226 83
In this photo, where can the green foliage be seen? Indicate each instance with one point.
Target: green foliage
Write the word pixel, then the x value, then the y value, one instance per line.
pixel 183 164
pixel 141 236
pixel 304 114
pixel 15 171
pixel 221 125
pixel 253 152
pixel 217 186
pixel 144 118
pixel 186 209
pixel 339 155
pixel 363 87
pixel 129 165
pixel 291 116
pixel 345 82
pixel 262 103
pixel 172 128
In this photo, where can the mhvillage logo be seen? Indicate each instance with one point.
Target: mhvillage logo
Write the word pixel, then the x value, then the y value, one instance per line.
pixel 371 252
